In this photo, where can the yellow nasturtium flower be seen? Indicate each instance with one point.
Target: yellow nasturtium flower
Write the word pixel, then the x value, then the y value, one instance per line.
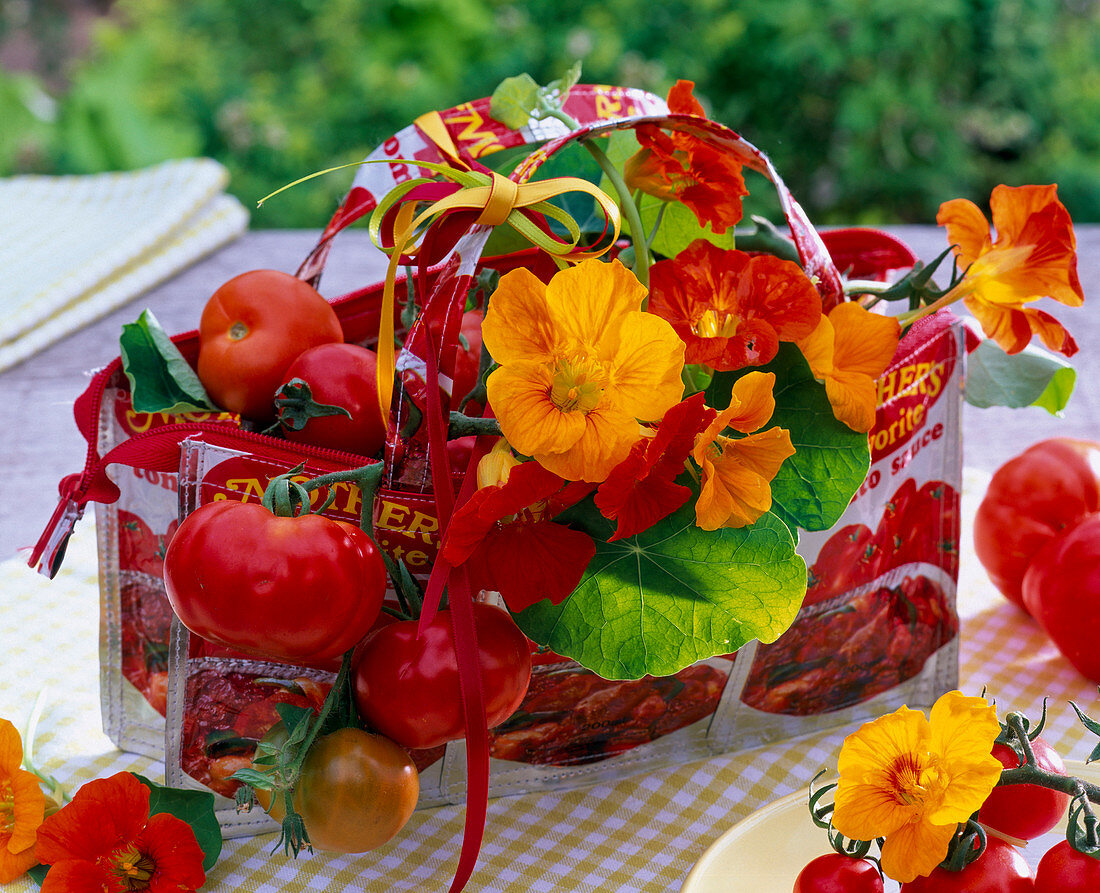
pixel 580 366
pixel 913 780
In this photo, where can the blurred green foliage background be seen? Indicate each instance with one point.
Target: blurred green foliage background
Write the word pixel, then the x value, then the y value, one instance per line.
pixel 873 110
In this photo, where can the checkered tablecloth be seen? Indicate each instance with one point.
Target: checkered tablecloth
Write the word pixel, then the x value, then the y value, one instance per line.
pixel 640 834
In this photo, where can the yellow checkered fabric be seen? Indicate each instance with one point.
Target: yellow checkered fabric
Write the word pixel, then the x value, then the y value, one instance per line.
pixel 75 248
pixel 640 834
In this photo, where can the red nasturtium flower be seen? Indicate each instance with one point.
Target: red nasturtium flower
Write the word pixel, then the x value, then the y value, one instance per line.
pixel 105 841
pixel 732 309
pixel 1033 256
pixel 642 489
pixel 737 473
pixel 22 807
pixel 677 166
pixel 505 537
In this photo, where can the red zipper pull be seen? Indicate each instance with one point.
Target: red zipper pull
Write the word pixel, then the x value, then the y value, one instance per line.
pixel 49 551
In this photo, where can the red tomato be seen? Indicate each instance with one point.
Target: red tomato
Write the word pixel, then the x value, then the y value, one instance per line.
pixel 408 688
pixel 467 359
pixel 1060 591
pixel 848 559
pixel 1025 810
pixel 1000 869
pixel 920 525
pixel 251 330
pixel 1047 488
pixel 340 375
pixel 303 590
pixel 836 873
pixel 1064 870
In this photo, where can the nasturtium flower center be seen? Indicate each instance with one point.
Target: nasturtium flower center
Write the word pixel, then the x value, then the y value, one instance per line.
pixel 710 325
pixel 578 384
pixel 133 868
pixel 7 808
pixel 913 782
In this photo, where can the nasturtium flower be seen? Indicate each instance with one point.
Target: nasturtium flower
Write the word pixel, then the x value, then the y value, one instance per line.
pixel 737 473
pixel 22 807
pixel 730 308
pixel 642 489
pixel 105 841
pixel 506 539
pixel 676 166
pixel 912 780
pixel 849 349
pixel 580 366
pixel 1033 256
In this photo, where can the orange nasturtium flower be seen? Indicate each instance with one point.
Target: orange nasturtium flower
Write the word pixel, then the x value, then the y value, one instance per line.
pixel 1033 256
pixel 732 309
pixel 737 473
pixel 22 807
pixel 913 780
pixel 105 840
pixel 849 349
pixel 580 365
pixel 677 166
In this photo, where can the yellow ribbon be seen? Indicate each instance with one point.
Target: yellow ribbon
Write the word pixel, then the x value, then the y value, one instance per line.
pixel 499 200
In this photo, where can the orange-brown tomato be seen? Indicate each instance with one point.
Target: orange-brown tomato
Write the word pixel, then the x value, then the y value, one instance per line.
pixel 356 791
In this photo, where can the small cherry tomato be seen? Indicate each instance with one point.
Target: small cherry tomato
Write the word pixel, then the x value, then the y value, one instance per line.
pixel 251 330
pixel 1000 869
pixel 1060 591
pixel 356 790
pixel 408 688
pixel 1044 490
pixel 302 589
pixel 339 375
pixel 1065 870
pixel 836 873
pixel 1025 811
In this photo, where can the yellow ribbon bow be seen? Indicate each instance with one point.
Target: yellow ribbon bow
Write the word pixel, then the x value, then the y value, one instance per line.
pixel 500 201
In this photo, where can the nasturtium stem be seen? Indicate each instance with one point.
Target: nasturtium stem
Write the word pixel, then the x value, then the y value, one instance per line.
pixel 865 287
pixel 460 425
pixel 626 200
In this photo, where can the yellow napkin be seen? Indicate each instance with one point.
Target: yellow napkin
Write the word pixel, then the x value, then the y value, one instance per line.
pixel 75 248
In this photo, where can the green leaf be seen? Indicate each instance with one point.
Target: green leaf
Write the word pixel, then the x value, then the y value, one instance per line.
pixel 1033 377
pixel 161 380
pixel 514 101
pixel 38 873
pixel 255 778
pixel 660 601
pixel 297 721
pixel 554 93
pixel 815 485
pixel 194 807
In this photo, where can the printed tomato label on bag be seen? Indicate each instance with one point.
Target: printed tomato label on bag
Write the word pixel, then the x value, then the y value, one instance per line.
pixel 880 600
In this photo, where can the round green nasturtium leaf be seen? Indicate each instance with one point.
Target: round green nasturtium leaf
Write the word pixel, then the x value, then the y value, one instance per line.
pixel 672 595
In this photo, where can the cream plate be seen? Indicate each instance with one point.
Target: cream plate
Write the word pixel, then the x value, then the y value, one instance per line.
pixel 765 852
